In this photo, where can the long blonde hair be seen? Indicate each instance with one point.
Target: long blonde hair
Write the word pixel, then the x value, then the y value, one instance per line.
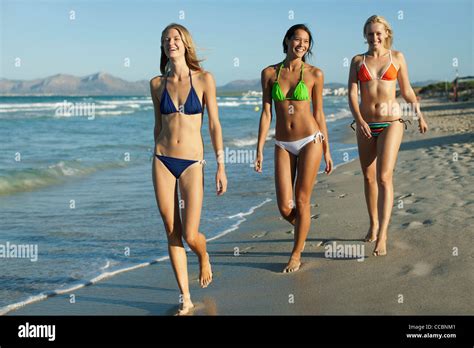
pixel 379 19
pixel 190 49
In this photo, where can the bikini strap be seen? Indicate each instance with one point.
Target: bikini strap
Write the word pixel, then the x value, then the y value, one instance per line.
pixel 279 71
pixel 319 135
pixel 364 58
pixel 401 120
pixel 352 125
pixel 281 66
pixel 390 53
pixel 166 78
pixel 190 78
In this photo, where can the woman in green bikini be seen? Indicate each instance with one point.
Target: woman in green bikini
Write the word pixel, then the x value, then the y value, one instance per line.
pixel 301 134
pixel 379 126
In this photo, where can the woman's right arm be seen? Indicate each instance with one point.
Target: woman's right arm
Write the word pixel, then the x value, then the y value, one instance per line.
pixel 265 118
pixel 154 83
pixel 353 88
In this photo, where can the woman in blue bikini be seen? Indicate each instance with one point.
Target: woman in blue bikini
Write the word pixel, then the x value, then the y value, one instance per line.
pixel 379 126
pixel 178 161
pixel 301 133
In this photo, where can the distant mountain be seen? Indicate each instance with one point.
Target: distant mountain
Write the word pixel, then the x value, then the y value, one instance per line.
pixel 105 84
pixel 62 84
pixel 239 86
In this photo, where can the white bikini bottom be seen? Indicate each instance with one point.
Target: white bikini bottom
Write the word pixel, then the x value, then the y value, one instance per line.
pixel 296 146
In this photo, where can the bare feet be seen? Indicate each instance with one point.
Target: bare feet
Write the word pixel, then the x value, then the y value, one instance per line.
pixel 293 265
pixel 380 247
pixel 371 234
pixel 186 307
pixel 205 273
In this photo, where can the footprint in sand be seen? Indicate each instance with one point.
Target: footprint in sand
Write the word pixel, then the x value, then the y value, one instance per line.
pixel 413 224
pixel 342 195
pixel 418 269
pixel 458 204
pixel 326 242
pixel 315 244
pixel 260 235
pixel 417 224
pixel 398 244
pixel 406 195
pixel 245 250
pixel 315 216
pixel 401 213
pixel 426 177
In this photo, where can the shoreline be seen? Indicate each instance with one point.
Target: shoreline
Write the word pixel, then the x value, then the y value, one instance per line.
pixel 107 275
pixel 425 272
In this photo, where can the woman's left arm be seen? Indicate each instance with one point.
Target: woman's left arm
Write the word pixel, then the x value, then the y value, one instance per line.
pixel 215 131
pixel 408 93
pixel 318 114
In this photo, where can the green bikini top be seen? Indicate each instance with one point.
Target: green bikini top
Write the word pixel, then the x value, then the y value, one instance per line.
pixel 300 92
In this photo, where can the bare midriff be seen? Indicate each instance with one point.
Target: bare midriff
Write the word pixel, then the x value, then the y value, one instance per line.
pixel 294 120
pixel 180 136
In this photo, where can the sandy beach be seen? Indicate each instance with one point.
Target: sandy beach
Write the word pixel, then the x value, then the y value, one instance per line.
pixel 428 269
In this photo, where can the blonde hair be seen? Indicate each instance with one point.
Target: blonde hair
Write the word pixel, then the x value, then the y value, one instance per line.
pixel 379 19
pixel 190 49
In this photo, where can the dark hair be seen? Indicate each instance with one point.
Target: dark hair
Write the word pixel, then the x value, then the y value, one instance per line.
pixel 289 34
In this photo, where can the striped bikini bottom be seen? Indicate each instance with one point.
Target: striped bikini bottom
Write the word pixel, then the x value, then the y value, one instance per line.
pixel 376 128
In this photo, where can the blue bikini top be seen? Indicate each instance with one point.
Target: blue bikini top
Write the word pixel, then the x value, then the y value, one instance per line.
pixel 192 106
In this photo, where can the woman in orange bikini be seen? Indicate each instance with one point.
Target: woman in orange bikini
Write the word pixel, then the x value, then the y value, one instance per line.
pixel 379 126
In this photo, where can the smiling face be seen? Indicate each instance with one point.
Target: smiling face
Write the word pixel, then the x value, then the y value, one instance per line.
pixel 299 44
pixel 173 44
pixel 376 35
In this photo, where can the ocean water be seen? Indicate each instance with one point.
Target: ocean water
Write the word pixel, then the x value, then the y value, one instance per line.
pixel 78 187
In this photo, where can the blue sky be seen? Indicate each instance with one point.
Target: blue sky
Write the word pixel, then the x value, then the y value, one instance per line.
pixel 431 34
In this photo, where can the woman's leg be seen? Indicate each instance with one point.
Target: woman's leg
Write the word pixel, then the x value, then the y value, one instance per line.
pixel 368 164
pixel 388 144
pixel 308 164
pixel 166 193
pixel 191 188
pixel 285 170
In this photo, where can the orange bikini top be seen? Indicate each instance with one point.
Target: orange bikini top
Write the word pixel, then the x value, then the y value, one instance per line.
pixel 390 74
